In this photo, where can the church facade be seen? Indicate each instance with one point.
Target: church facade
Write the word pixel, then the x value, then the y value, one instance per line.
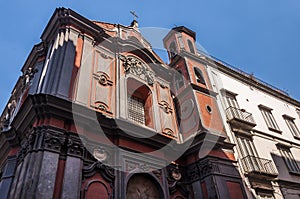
pixel 98 114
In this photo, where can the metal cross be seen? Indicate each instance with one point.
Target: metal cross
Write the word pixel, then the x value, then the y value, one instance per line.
pixel 134 15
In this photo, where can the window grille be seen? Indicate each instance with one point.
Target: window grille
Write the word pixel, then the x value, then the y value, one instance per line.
pixel 136 111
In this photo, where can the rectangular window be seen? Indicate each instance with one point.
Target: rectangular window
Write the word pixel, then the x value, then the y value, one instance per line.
pixel 269 118
pixel 292 126
pixel 298 112
pixel 136 111
pixel 289 160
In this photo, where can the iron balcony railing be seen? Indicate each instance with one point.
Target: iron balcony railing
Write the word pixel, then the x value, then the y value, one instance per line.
pixel 252 164
pixel 240 114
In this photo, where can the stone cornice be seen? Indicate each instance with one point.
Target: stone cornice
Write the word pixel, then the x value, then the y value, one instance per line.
pixel 37 51
pixel 63 17
pixel 252 82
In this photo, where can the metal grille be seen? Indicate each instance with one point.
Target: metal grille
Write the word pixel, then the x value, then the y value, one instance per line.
pixel 136 111
pixel 232 112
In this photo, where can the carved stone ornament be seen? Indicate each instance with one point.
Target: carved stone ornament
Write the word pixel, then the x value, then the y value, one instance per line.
pixel 130 166
pixel 138 68
pixel 169 132
pixel 200 169
pixel 166 106
pixel 102 107
pixel 26 147
pixel 100 154
pixel 75 147
pixel 176 174
pixel 28 76
pixel 53 142
pixel 106 172
pixel 103 79
pixel 174 180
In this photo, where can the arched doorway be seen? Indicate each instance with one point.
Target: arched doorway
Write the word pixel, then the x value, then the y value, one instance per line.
pixel 143 186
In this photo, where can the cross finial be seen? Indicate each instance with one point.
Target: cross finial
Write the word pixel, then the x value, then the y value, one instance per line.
pixel 134 15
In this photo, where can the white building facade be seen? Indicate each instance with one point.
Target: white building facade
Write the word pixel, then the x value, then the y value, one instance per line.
pixel 264 124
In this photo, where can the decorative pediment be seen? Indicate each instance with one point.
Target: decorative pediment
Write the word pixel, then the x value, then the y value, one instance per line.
pixel 138 68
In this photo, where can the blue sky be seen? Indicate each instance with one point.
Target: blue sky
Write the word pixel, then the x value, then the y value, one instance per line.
pixel 258 36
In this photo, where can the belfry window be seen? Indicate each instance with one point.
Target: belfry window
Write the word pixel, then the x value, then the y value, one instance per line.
pixel 172 49
pixel 199 75
pixel 191 46
pixel 139 103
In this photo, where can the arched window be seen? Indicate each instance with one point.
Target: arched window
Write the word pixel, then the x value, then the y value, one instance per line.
pixel 172 49
pixel 199 75
pixel 143 186
pixel 139 101
pixel 191 46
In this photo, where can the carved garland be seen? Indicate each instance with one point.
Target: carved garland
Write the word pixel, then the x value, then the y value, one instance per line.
pixel 201 169
pixel 138 68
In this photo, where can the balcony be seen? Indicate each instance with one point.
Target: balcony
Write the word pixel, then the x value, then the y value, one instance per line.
pixel 258 167
pixel 239 117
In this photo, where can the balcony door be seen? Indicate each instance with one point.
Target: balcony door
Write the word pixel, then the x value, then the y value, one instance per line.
pixel 250 160
pixel 233 108
pixel 231 100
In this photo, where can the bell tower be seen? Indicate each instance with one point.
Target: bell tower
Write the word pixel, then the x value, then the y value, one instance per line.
pixel 196 101
pixel 199 118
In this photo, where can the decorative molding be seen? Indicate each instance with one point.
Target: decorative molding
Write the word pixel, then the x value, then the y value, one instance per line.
pixel 102 107
pixel 53 142
pixel 169 132
pixel 201 169
pixel 75 147
pixel 166 107
pixel 106 172
pixel 104 55
pixel 100 154
pixel 143 167
pixel 130 166
pixel 137 68
pixel 158 174
pixel 103 79
pixel 26 146
pixel 174 179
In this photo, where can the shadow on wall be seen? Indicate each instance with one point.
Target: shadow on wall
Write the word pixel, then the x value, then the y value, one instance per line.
pixel 288 175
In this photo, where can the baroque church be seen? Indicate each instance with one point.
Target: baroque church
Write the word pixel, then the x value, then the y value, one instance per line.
pixel 98 114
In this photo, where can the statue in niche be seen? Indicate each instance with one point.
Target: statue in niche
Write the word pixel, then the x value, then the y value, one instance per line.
pixel 28 75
